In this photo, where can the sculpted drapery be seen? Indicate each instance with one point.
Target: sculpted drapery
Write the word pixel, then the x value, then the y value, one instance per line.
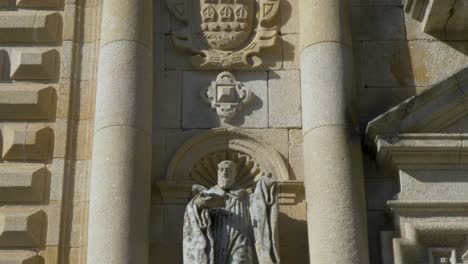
pixel 224 225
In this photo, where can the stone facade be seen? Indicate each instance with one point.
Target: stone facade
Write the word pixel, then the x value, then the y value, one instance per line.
pixel 111 110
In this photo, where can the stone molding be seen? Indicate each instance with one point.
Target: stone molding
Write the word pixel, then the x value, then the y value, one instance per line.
pixel 227 96
pixel 417 242
pixel 423 150
pixel 447 19
pixel 225 35
pixel 431 208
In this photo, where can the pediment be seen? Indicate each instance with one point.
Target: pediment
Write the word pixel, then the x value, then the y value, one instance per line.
pixel 443 108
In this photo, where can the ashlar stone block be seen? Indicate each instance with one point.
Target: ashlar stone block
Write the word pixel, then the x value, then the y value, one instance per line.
pixel 29 64
pixel 29 27
pixel 22 183
pixel 38 3
pixel 21 228
pixel 4 3
pixel 284 99
pixel 27 143
pixel 20 257
pixel 26 102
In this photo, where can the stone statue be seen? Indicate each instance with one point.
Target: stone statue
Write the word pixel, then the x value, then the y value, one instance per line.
pixel 224 225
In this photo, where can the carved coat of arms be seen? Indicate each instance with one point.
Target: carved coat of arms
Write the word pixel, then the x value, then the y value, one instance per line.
pixel 225 34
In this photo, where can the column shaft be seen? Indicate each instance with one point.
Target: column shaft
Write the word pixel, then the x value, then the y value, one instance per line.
pixel 120 184
pixel 333 177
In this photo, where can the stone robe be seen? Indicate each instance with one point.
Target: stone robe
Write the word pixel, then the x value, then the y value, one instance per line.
pixel 244 231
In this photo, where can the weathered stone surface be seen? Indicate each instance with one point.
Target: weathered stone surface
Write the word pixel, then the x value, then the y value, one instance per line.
pixel 26 102
pixel 4 3
pixel 433 184
pixel 129 20
pixel 325 177
pixel 19 257
pixel 291 51
pixel 21 228
pixel 296 154
pixel 277 138
pixel 284 94
pixel 112 104
pixel 22 183
pixel 417 63
pixel 29 27
pixel 196 114
pixel 329 105
pixel 38 3
pixel 31 64
pixel 289 18
pixel 379 191
pixel 378 23
pixel 168 96
pixel 27 143
pixel 329 19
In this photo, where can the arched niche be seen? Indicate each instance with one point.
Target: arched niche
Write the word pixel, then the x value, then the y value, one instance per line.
pixel 196 162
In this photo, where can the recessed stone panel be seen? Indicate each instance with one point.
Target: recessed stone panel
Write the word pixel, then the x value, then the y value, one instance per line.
pixel 22 183
pixel 29 27
pixel 31 64
pixel 21 228
pixel 20 257
pixel 38 3
pixel 27 143
pixel 26 102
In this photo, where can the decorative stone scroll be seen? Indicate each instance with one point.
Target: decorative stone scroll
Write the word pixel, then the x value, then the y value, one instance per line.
pixel 225 34
pixel 227 96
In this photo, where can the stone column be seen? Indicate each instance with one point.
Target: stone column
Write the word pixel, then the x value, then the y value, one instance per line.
pixel 336 217
pixel 118 230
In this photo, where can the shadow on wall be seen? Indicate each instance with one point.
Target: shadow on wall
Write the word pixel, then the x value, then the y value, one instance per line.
pixel 293 240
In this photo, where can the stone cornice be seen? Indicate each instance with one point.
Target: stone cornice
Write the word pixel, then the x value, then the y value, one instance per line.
pixel 428 150
pixel 403 207
pixel 429 112
pixel 289 192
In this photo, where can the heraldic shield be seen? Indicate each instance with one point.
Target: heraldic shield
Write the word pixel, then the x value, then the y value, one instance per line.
pixel 225 34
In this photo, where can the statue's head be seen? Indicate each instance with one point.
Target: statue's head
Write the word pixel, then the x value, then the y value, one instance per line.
pixel 227 172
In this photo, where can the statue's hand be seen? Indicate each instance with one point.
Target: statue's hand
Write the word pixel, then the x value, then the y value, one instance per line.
pixel 205 200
